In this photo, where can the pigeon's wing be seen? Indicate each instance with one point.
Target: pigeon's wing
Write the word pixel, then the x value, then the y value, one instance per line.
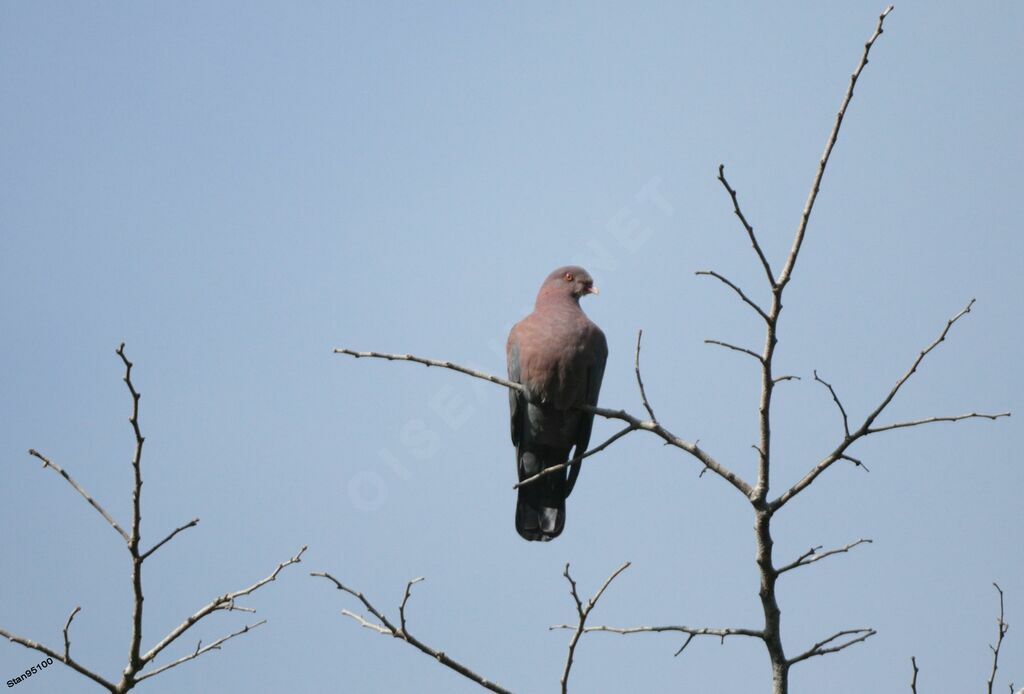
pixel 595 374
pixel 516 402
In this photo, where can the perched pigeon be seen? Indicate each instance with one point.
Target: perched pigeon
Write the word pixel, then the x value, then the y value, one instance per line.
pixel 559 355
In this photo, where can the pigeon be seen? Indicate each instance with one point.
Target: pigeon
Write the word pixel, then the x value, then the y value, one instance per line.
pixel 558 354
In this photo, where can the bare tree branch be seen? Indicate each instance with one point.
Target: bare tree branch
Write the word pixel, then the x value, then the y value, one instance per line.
pixel 583 611
pixel 47 463
pixel 640 381
pixel 691 632
pixel 158 545
pixel 787 270
pixel 224 602
pixel 812 555
pixel 66 659
pixel 746 351
pixel 747 300
pixel 67 626
pixel 930 420
pixel 388 629
pixel 215 646
pixel 835 398
pixel 405 600
pixel 636 423
pixel 1003 627
pixel 913 680
pixel 561 466
pixel 134 662
pixel 746 225
pixel 866 429
pixel 822 647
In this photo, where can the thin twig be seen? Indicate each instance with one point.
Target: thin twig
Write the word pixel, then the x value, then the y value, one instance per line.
pixel 780 379
pixel 913 680
pixel 215 646
pixel 812 555
pixel 930 420
pixel 135 663
pixel 405 600
pixel 746 225
pixel 67 639
pixel 787 270
pixel 158 545
pixel 47 463
pixel 640 381
pixel 1003 627
pixel 561 466
pixel 583 611
pixel 388 629
pixel 746 351
pixel 835 398
pixel 746 299
pixel 691 632
pixel 822 647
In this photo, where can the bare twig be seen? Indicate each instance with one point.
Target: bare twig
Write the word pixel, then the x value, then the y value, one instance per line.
pixel 645 425
pixel 158 545
pixel 930 420
pixel 558 468
pixel 640 381
pixel 67 639
pixel 780 379
pixel 389 629
pixel 835 398
pixel 215 646
pixel 1003 627
pixel 583 610
pixel 812 555
pixel 405 600
pixel 691 632
pixel 746 299
pixel 135 663
pixel 746 351
pixel 822 647
pixel 746 225
pixel 787 270
pixel 47 463
pixel 913 679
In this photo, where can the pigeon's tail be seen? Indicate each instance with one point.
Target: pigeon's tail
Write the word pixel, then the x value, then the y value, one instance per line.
pixel 540 510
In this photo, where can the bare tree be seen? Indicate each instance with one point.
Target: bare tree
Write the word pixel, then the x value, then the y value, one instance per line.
pixel 138 660
pixel 757 492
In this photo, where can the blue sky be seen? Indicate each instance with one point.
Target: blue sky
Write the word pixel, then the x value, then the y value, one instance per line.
pixel 233 189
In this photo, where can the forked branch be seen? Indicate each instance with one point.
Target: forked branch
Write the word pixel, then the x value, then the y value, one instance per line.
pixel 866 428
pixel 830 645
pixel 583 611
pixel 386 627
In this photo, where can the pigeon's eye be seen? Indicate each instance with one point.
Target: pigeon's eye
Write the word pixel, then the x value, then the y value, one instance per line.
pixel 569 277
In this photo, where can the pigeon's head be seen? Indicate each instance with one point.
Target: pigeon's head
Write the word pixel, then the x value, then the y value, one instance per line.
pixel 570 281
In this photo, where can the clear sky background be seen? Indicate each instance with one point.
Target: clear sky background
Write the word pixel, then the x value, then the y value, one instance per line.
pixel 235 188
